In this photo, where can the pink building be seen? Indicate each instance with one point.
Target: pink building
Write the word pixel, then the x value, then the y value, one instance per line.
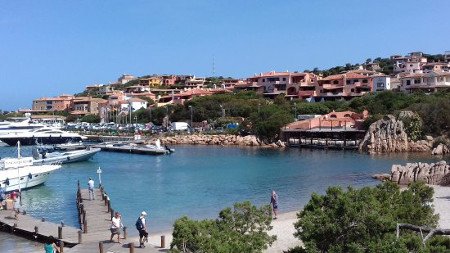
pixel 292 84
pixel 345 85
pixel 336 120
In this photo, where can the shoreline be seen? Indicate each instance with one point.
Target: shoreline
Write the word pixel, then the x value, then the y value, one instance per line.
pixel 283 228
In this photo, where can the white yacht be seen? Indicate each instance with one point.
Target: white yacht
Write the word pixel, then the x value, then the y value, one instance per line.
pixel 20 173
pixel 44 155
pixel 20 126
pixel 41 136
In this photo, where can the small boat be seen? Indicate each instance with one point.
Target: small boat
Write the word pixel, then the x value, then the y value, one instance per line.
pixel 20 173
pixel 43 155
pixel 133 148
pixel 41 136
pixel 70 146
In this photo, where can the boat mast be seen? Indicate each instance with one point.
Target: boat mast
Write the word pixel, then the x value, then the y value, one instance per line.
pixel 18 171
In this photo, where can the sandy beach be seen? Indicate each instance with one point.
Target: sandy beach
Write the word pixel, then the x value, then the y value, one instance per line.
pixel 283 227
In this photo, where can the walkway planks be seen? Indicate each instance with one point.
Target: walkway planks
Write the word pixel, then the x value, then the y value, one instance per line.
pixel 98 222
pixel 26 228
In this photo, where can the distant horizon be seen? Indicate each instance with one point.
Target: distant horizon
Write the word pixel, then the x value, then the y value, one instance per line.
pixel 49 48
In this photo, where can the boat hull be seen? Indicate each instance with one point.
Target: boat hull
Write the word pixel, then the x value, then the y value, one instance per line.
pixel 25 177
pixel 12 141
pixel 69 157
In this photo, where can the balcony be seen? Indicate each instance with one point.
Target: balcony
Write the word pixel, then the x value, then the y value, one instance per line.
pixel 331 86
pixel 307 93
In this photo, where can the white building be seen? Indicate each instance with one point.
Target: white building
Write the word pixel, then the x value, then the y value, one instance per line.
pixel 428 82
pixel 381 83
pixel 125 78
pixel 135 103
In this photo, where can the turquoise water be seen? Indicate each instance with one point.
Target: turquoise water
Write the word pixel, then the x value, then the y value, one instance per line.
pixel 199 181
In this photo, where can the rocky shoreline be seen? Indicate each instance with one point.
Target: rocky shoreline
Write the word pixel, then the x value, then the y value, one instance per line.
pixel 216 139
pixel 431 173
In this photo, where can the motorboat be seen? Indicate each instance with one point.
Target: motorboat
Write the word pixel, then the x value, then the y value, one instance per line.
pixel 70 146
pixel 41 136
pixel 23 125
pixel 49 155
pixel 133 148
pixel 20 173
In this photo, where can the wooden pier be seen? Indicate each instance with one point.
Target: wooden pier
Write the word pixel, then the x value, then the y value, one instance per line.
pixel 92 236
pixel 95 220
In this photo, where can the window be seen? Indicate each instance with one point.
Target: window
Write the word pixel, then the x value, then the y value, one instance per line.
pixel 416 81
pixel 380 85
pixel 335 82
pixel 348 81
pixel 365 81
pixel 408 82
pixel 264 80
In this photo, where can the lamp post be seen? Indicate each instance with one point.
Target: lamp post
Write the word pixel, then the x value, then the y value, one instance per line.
pixel 99 172
pixel 190 109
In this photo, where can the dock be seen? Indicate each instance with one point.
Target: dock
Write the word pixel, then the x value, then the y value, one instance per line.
pixel 91 237
pixel 95 220
pixel 38 229
pixel 323 138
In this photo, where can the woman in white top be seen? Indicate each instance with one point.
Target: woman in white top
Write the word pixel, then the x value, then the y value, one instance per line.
pixel 116 225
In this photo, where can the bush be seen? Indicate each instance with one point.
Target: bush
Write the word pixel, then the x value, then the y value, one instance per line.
pixel 364 220
pixel 243 229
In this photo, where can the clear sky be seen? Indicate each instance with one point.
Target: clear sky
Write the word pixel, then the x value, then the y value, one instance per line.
pixel 52 47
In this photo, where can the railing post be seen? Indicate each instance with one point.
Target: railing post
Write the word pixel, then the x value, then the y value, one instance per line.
pixel 163 241
pixel 60 232
pixel 85 227
pixel 109 205
pixel 100 247
pixel 131 247
pixel 112 213
pixel 80 236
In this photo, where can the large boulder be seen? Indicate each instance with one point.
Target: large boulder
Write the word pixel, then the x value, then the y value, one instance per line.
pixel 384 136
pixel 441 149
pixel 430 173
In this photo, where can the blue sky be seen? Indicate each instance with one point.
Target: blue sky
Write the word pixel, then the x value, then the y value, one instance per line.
pixel 52 47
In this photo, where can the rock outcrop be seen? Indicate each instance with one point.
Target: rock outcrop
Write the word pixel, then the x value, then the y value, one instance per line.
pixel 441 149
pixel 433 173
pixel 385 135
pixel 219 139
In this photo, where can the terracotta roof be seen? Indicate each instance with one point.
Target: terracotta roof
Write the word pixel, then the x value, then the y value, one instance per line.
pixel 136 100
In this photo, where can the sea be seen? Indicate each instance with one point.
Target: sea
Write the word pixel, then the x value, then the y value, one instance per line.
pixel 198 181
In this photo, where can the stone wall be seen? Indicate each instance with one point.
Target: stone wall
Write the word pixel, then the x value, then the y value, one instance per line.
pixel 219 139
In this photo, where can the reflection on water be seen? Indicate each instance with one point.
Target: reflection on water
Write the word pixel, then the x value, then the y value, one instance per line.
pixel 14 244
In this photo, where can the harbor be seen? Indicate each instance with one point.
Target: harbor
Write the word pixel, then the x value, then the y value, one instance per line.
pixel 197 181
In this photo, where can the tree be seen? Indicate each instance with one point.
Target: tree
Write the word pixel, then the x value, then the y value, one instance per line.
pixel 90 118
pixel 267 121
pixel 241 229
pixel 364 220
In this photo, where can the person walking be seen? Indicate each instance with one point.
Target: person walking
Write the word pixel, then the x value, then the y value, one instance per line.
pixel 274 203
pixel 91 189
pixel 116 225
pixel 141 226
pixel 50 246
